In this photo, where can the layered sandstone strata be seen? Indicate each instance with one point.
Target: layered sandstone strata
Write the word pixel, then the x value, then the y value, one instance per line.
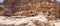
pixel 29 13
pixel 15 7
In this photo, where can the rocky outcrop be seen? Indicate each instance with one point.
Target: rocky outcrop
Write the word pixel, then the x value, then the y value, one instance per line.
pixel 15 7
pixel 29 13
pixel 39 20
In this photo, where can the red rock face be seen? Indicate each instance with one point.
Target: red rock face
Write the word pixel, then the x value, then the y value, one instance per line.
pixel 29 12
pixel 46 6
pixel 59 10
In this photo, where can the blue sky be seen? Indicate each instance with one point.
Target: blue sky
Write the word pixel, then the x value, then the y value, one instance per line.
pixel 3 0
pixel 58 0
